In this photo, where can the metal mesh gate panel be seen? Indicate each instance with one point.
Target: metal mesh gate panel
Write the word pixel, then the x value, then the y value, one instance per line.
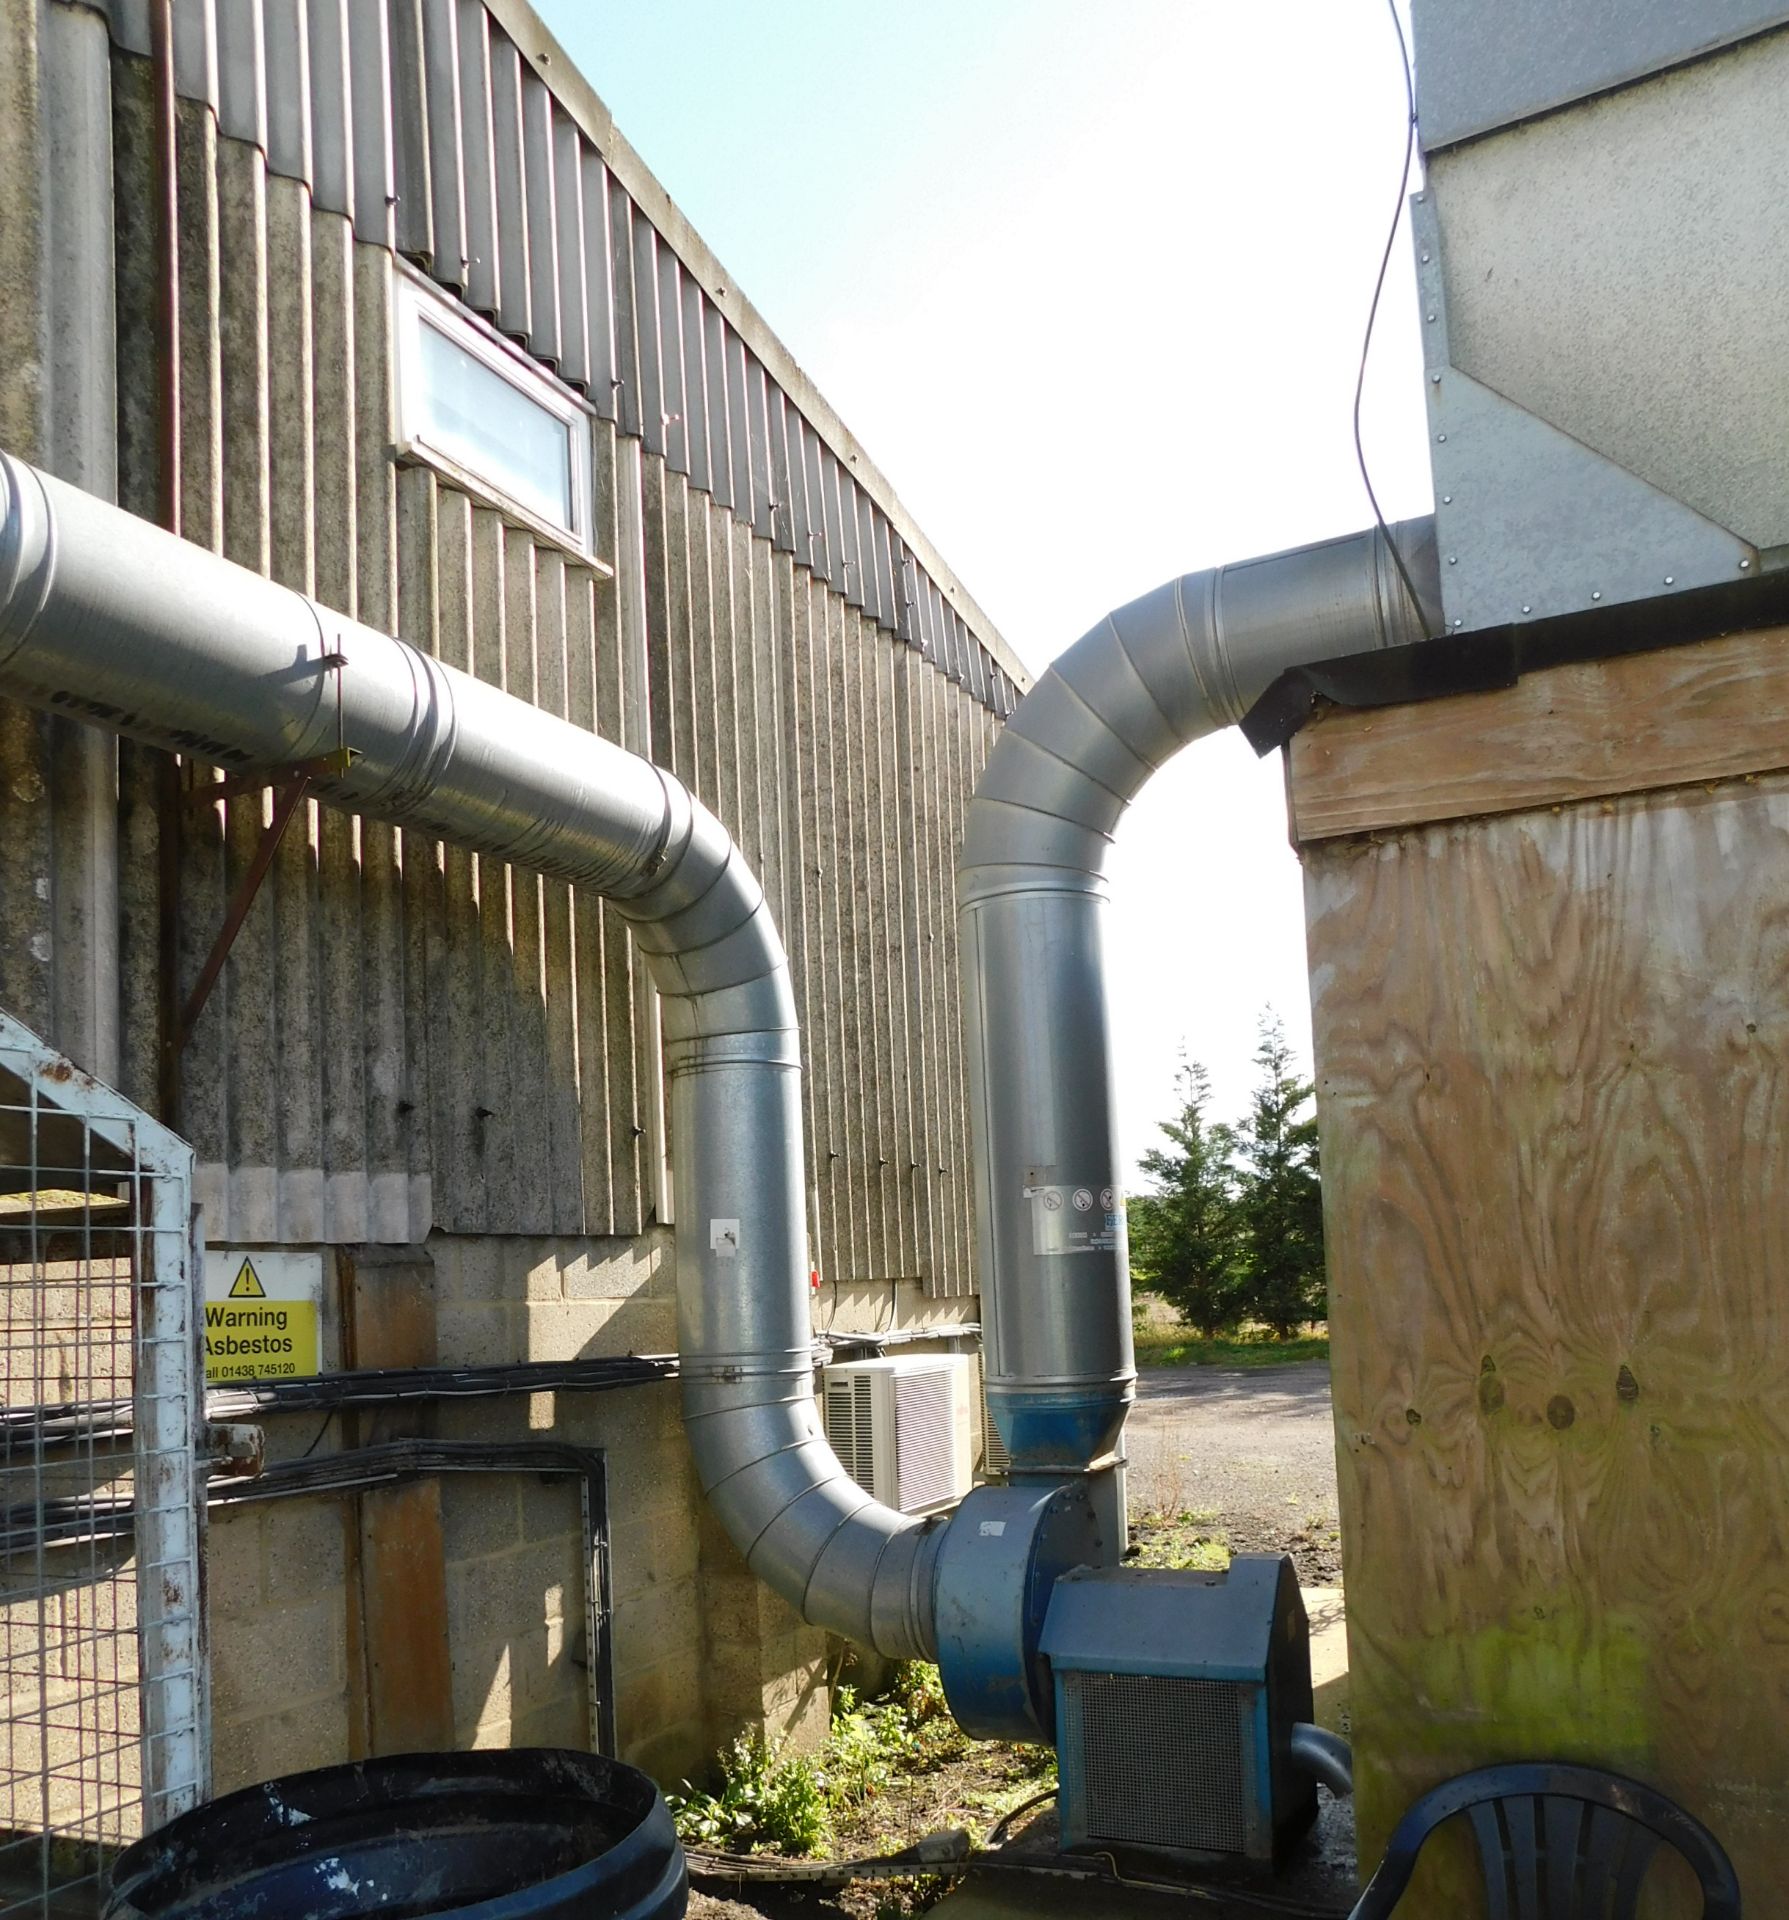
pixel 101 1656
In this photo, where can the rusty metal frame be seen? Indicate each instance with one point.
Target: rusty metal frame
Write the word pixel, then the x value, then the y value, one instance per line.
pixel 291 786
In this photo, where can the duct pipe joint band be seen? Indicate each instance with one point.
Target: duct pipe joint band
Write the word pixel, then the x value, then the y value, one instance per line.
pixel 429 739
pixel 27 553
pixel 976 886
pixel 776 1048
pixel 726 1369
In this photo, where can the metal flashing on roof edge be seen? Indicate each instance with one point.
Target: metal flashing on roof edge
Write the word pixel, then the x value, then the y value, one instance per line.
pixel 1536 523
pixel 1482 67
pixel 1530 522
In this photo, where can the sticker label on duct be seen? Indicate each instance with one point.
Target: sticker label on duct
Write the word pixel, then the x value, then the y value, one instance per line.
pixel 992 1529
pixel 1074 1219
pixel 261 1314
pixel 723 1239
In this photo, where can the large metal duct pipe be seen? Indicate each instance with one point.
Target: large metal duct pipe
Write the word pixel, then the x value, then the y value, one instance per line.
pixel 1181 662
pixel 109 619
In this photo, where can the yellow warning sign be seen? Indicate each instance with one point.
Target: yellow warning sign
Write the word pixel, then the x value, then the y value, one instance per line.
pixel 261 1315
pixel 247 1284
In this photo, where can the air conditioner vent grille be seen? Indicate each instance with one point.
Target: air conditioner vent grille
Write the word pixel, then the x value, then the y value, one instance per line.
pixel 925 1439
pixel 1161 1759
pixel 850 1427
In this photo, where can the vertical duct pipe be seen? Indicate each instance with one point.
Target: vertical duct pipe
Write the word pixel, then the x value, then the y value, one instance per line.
pixel 1181 662
pixel 110 620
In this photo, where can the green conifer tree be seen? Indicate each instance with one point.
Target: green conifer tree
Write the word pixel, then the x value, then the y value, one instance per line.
pixel 1279 1202
pixel 1183 1230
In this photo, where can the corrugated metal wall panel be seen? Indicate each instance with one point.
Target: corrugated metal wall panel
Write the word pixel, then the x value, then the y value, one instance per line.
pixel 477 169
pixel 599 292
pixel 413 201
pixel 723 395
pixel 242 71
pixel 649 362
pixel 673 416
pixel 403 1038
pixel 515 285
pixel 544 330
pixel 332 140
pixel 695 385
pixel 448 251
pixel 570 278
pixel 369 121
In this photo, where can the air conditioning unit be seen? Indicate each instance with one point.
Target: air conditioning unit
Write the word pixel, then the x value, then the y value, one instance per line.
pixel 904 1428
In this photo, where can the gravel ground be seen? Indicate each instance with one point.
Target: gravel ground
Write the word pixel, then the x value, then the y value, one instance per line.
pixel 1250 1456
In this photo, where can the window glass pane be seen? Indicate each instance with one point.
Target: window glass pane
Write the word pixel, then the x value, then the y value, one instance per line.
pixel 469 412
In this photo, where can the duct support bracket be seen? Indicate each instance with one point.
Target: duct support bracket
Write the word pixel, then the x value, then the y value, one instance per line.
pixel 292 787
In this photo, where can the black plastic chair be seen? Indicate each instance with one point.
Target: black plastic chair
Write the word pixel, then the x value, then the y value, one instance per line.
pixel 1556 1843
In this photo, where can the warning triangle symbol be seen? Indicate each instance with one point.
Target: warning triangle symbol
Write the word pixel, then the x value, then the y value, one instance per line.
pixel 247 1284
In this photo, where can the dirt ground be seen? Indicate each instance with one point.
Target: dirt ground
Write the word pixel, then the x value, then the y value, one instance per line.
pixel 1221 1461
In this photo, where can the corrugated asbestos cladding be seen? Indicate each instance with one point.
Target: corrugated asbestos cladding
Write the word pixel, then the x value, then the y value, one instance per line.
pixel 406 1038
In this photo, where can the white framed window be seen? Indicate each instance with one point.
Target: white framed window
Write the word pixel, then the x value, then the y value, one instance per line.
pixel 489 418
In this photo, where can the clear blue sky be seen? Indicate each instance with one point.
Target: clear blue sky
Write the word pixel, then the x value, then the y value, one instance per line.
pixel 1089 283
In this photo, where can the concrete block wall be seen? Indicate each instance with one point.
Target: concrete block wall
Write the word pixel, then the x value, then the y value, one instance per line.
pixel 702 1649
pixel 278 1598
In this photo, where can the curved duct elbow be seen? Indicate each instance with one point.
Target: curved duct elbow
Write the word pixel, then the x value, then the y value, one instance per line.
pixel 114 621
pixel 733 1060
pixel 1181 662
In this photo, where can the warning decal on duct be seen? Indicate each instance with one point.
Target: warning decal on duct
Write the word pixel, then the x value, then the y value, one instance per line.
pixel 261 1314
pixel 1067 1219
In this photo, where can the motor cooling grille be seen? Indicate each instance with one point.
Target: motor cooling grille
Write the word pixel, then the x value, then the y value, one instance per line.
pixel 1161 1760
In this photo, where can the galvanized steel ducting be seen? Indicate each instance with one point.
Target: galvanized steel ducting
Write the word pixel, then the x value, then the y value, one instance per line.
pixel 1181 662
pixel 110 620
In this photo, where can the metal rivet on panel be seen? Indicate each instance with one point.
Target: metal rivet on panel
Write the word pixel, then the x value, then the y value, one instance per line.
pixel 1670 579
pixel 1745 566
pixel 1453 559
pixel 1434 379
pixel 1527 609
pixel 1441 437
pixel 1447 499
pixel 1594 594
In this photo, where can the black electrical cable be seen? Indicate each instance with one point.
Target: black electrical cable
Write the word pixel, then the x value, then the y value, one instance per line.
pixel 1000 1828
pixel 1366 344
pixel 317 1437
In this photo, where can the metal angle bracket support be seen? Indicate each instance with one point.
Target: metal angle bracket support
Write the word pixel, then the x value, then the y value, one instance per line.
pixel 1529 522
pixel 291 786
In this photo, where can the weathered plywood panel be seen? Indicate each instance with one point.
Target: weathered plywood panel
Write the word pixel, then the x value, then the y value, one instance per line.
pixel 1553 1084
pixel 1603 727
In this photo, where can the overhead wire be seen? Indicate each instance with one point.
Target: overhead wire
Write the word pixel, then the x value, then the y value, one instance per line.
pixel 1366 344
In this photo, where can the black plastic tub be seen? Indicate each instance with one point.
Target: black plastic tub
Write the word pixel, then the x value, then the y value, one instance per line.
pixel 531 1833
